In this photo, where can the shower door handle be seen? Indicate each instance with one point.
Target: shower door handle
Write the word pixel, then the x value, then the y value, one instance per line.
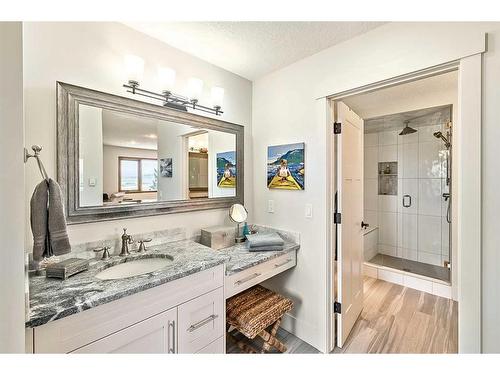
pixel 405 197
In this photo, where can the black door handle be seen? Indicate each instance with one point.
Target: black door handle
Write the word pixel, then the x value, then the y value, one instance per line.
pixel 364 225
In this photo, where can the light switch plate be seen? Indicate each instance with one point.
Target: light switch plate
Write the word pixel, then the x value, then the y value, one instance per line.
pixel 270 206
pixel 92 181
pixel 309 210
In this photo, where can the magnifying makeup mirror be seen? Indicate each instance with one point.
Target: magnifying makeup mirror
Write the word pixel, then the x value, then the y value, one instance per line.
pixel 238 213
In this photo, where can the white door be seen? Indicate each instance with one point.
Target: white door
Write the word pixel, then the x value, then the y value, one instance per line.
pixel 157 334
pixel 349 181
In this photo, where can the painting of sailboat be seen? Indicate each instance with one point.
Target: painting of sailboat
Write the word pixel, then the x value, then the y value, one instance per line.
pixel 285 167
pixel 226 169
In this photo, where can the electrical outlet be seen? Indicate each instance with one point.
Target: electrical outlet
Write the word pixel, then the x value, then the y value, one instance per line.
pixel 270 206
pixel 309 210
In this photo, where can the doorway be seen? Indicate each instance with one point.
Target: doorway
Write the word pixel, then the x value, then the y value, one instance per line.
pixel 408 227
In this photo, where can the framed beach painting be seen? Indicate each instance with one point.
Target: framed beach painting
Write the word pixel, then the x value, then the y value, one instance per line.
pixel 226 169
pixel 285 166
pixel 166 167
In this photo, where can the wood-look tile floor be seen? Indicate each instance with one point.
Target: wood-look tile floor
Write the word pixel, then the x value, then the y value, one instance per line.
pixel 395 319
pixel 293 344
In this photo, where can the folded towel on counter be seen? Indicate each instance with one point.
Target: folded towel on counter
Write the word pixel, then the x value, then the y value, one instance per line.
pixel 264 240
pixel 266 248
pixel 48 221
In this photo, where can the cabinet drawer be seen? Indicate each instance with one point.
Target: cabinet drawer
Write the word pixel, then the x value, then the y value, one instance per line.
pixel 245 279
pixel 201 321
pixel 216 347
pixel 154 335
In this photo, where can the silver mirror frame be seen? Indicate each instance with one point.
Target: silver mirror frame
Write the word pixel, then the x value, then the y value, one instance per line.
pixel 69 97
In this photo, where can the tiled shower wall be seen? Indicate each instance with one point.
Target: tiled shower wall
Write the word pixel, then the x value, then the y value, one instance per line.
pixel 419 232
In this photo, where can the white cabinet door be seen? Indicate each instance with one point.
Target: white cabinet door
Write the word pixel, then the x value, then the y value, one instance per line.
pixel 157 334
pixel 201 321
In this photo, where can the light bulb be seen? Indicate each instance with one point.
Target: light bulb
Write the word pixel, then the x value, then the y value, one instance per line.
pixel 166 77
pixel 135 67
pixel 217 96
pixel 195 87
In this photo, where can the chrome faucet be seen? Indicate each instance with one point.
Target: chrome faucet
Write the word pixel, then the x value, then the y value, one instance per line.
pixel 126 240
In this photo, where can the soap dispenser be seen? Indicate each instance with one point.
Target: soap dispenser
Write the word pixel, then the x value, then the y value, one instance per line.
pixel 246 231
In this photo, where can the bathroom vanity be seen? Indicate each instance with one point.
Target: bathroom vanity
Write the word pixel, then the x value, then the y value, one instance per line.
pixel 179 308
pixel 170 298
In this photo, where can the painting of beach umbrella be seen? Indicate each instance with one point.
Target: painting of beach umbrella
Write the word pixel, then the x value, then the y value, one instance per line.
pixel 226 169
pixel 285 167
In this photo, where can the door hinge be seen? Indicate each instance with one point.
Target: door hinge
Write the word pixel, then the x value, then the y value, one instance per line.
pixel 337 218
pixel 337 307
pixel 337 128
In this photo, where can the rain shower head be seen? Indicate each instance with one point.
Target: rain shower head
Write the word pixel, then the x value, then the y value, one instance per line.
pixel 407 130
pixel 440 135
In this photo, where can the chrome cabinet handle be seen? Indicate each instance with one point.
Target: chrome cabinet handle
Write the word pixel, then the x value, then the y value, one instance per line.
pixel 201 323
pixel 283 263
pixel 171 324
pixel 239 282
pixel 404 201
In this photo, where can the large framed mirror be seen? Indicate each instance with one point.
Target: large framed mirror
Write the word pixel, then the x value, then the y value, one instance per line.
pixel 118 157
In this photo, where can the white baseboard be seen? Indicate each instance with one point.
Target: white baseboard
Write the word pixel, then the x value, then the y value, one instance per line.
pixel 410 280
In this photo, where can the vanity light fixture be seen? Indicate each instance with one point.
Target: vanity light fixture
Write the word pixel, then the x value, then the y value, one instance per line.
pixel 166 77
pixel 135 69
pixel 217 97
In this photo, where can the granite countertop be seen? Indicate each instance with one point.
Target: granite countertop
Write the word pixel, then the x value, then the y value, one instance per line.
pixel 52 299
pixel 239 258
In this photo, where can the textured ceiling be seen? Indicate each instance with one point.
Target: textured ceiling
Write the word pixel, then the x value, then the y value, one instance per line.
pixel 252 49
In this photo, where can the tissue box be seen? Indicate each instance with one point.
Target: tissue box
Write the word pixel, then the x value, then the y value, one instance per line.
pixel 67 268
pixel 218 237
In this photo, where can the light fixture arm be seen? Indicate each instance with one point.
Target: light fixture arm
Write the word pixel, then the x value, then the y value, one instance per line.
pixel 169 99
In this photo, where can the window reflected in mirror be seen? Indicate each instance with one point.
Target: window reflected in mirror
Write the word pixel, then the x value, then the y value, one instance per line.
pixel 129 159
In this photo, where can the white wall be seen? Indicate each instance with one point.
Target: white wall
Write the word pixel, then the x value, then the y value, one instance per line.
pixel 219 142
pixel 12 199
pixel 284 111
pixel 91 55
pixel 110 157
pixel 172 144
pixel 91 161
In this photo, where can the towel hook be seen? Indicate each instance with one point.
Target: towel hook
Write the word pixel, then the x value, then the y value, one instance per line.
pixel 36 154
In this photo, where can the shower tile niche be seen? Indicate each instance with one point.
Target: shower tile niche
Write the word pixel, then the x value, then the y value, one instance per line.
pixel 388 178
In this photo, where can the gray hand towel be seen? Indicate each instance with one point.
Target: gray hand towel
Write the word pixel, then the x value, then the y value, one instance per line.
pixel 39 220
pixel 48 221
pixel 266 248
pixel 264 239
pixel 59 240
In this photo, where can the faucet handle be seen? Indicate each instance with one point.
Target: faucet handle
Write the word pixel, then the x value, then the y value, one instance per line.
pixel 142 247
pixel 105 251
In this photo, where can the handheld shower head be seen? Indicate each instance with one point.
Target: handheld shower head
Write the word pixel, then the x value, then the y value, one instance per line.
pixel 443 138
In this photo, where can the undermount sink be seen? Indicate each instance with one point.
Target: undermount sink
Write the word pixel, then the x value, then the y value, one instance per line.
pixel 133 268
